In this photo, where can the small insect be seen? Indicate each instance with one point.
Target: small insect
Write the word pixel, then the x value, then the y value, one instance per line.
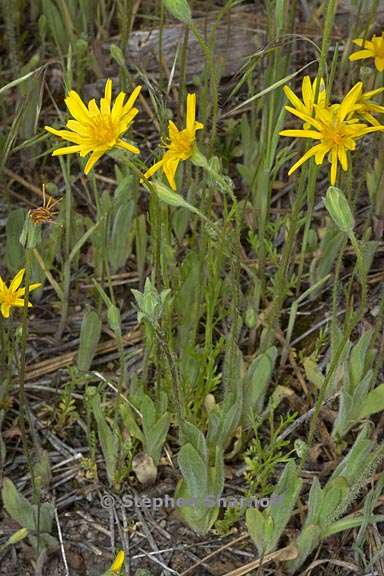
pixel 47 212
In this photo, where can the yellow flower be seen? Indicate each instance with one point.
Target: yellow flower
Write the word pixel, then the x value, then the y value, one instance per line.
pixel 308 91
pixel 365 107
pixel 180 145
pixel 336 133
pixel 373 48
pixel 13 296
pixel 118 563
pixel 97 130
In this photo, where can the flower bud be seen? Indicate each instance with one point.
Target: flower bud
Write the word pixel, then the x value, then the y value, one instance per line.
pixel 339 210
pixel 179 9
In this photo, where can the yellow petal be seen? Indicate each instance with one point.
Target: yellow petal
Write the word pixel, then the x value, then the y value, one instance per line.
pixel 131 100
pixel 191 111
pixel 379 63
pixel 301 134
pixel 343 159
pixel 66 150
pixel 92 161
pixel 363 42
pixel 350 100
pixel 333 166
pixel 17 280
pixel 65 134
pixel 19 303
pixel 21 291
pixel 311 152
pixel 320 154
pixel 307 92
pixel 173 130
pixel 118 563
pixel 108 91
pixel 2 285
pixel 170 167
pixel 305 117
pixel 360 55
pixel 80 128
pixel 93 109
pixel 5 309
pixel 293 98
pixel 126 119
pixel 154 169
pixel 77 107
pixel 372 93
pixel 127 146
pixel 117 108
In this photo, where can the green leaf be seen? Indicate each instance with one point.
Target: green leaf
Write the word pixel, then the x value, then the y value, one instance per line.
pixel 121 235
pixel 17 506
pixel 358 357
pixel 108 440
pixel 373 403
pixel 130 423
pixel 256 382
pixel 256 527
pixel 283 501
pixel 334 495
pixel 89 338
pixel 194 471
pixel 14 252
pixel 190 434
pixel 313 373
pixel 156 437
pixel 314 502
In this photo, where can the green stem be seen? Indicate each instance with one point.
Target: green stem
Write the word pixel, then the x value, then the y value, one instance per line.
pixel 213 82
pixel 23 405
pixel 67 249
pixel 280 285
pixel 361 269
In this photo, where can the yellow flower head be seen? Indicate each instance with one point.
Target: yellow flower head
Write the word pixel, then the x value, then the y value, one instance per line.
pixel 118 563
pixel 308 91
pixel 335 130
pixel 373 48
pixel 13 296
pixel 180 144
pixel 97 130
pixel 366 107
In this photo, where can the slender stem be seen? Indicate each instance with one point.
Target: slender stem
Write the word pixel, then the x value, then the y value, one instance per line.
pixel 67 249
pixel 280 285
pixel 23 405
pixel 213 82
pixel 361 269
pixel 323 390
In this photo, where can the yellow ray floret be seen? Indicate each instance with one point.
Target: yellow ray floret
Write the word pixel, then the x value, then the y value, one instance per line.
pixel 96 130
pixel 335 128
pixel 118 563
pixel 365 107
pixel 14 295
pixel 308 91
pixel 180 144
pixel 373 48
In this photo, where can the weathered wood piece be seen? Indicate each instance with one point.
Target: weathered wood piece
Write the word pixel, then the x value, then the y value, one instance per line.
pixel 241 33
pixel 238 35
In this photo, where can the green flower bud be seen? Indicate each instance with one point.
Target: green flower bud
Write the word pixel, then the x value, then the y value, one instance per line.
pixel 339 210
pixel 179 9
pixel 198 159
pixel 18 536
